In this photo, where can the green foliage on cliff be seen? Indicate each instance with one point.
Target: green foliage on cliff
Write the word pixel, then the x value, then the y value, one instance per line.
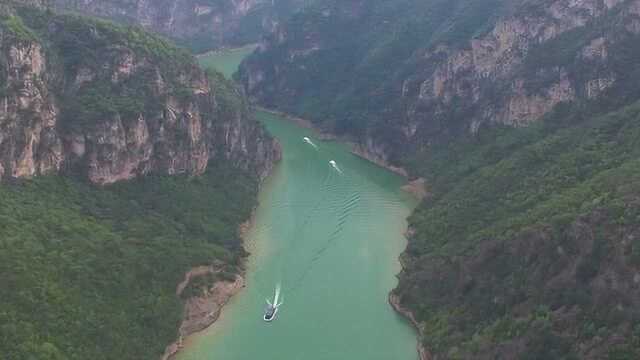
pixel 14 26
pixel 227 96
pixel 358 52
pixel 103 70
pixel 91 273
pixel 87 41
pixel 506 190
pixel 506 179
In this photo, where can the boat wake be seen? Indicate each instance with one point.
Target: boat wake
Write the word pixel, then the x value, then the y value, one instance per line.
pixel 308 141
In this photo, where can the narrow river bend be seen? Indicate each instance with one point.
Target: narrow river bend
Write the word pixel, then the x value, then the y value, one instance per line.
pixel 332 241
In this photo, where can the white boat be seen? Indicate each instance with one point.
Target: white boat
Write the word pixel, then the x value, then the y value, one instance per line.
pixel 272 307
pixel 270 313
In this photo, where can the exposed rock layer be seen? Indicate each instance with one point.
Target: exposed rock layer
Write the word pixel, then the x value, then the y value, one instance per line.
pixel 202 310
pixel 125 113
pixel 514 73
pixel 200 23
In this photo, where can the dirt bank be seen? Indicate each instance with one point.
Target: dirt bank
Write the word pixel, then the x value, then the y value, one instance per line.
pixel 203 310
pixel 394 300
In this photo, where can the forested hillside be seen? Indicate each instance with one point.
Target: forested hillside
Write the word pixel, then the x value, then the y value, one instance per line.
pixel 528 247
pixel 523 117
pixel 122 166
pixel 91 273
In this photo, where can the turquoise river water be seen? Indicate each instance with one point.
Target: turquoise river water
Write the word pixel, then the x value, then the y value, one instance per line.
pixel 331 238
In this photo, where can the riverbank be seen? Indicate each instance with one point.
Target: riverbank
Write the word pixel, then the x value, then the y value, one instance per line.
pixel 202 311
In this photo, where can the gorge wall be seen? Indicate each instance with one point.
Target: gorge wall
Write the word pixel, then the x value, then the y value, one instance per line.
pixel 434 74
pixel 114 103
pixel 199 24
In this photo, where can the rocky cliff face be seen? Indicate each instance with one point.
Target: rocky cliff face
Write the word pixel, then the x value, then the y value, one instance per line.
pixel 202 24
pixel 115 110
pixel 512 71
pixel 498 63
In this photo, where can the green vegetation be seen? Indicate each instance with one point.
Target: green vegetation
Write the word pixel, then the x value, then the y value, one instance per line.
pixel 91 273
pixel 507 179
pixel 230 102
pixel 351 81
pixel 14 26
pixel 526 246
pixel 89 41
pixel 506 190
pixel 85 47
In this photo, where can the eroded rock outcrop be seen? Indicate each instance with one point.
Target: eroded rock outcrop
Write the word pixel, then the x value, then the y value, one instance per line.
pixel 199 23
pixel 498 61
pixel 513 73
pixel 119 105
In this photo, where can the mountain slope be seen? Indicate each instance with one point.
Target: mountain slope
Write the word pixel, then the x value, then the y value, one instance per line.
pixel 113 103
pixel 527 247
pixel 91 273
pixel 122 167
pixel 422 73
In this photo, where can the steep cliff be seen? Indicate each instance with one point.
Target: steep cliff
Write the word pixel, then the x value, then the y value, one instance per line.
pixel 199 24
pixel 113 103
pixel 408 74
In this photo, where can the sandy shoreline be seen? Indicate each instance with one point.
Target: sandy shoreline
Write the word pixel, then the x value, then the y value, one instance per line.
pixel 202 311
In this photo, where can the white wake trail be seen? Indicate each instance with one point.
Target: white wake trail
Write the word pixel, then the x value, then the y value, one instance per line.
pixel 276 300
pixel 308 141
pixel 335 166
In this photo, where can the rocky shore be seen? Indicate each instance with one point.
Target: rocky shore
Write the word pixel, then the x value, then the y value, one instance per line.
pixel 202 311
pixel 394 300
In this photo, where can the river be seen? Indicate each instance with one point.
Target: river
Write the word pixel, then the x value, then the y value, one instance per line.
pixel 331 238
